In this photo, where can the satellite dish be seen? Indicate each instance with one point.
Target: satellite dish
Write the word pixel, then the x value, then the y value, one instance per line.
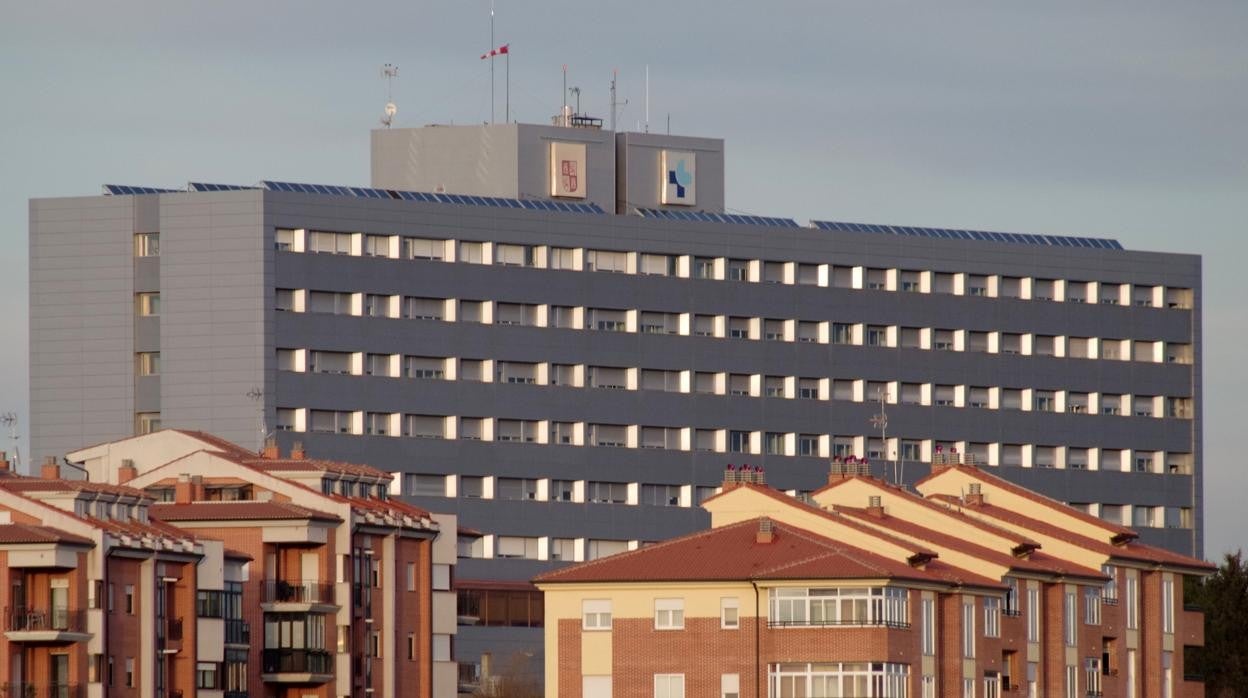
pixel 389 72
pixel 391 110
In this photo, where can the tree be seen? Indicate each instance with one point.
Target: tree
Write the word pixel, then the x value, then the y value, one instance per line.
pixel 1223 596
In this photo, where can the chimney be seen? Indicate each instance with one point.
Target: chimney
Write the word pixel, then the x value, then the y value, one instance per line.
pixel 270 449
pixel 975 496
pixel 765 533
pixel 183 491
pixel 4 461
pixel 50 470
pixel 297 452
pixel 875 506
pixel 127 471
pixel 197 488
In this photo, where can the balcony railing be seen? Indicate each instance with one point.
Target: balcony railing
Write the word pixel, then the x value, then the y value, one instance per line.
pixel 56 619
pixel 45 690
pixel 294 661
pixel 874 623
pixel 237 632
pixel 296 591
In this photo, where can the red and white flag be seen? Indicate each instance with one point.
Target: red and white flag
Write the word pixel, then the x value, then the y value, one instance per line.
pixel 496 52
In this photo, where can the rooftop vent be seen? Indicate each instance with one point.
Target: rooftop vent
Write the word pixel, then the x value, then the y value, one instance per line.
pixel 765 534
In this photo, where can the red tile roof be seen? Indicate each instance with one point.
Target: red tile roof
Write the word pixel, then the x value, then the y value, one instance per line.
pixel 311 464
pixel 1002 483
pixel 13 534
pixel 1036 562
pixel 733 553
pixel 216 442
pixel 235 511
pixel 22 485
pixel 1132 550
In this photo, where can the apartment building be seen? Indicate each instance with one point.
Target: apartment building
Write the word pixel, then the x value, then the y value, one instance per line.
pixel 865 588
pixel 351 587
pixel 99 597
pixel 542 330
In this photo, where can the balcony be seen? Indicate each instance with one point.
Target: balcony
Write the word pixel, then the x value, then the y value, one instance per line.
pixel 297 666
pixel 36 625
pixel 169 635
pixel 46 690
pixel 298 596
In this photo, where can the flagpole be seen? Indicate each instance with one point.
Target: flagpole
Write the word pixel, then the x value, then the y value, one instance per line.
pixel 491 61
pixel 507 111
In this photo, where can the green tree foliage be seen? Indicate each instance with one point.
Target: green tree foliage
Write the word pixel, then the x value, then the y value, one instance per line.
pixel 1223 596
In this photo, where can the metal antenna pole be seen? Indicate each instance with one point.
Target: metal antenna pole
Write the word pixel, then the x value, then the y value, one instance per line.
pixel 257 396
pixel 491 61
pixel 10 419
pixel 880 421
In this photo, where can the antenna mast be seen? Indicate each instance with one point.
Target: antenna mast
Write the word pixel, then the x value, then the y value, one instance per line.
pixel 389 72
pixel 647 98
pixel 10 420
pixel 880 421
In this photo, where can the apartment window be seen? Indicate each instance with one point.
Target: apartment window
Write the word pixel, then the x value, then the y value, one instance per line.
pixel 773 330
pixel 147 245
pixel 808 388
pixel 773 443
pixel 377 423
pixel 1092 606
pixel 739 327
pixel 992 686
pixel 605 260
pixel 730 686
pixel 738 270
pixel 128 599
pixel 514 255
pixel 130 672
pixel 773 386
pixel 424 248
pixel 668 381
pixel 877 336
pixel 563 549
pixel 561 258
pixel 807 331
pixel 911 450
pixel 1045 401
pixel 330 421
pixel 563 433
pixel 606 492
pixel 147 304
pixel 1072 681
pixel 471 252
pixel 597 548
pixel 146 422
pixel 420 426
pixel 596 614
pixel 992 617
pixel 561 490
pixel 608 435
pixel 148 363
pixel 515 314
pixel 808 444
pixel 329 302
pixel 206 675
pixel 376 245
pixel 285 419
pixel 607 377
pixel 657 264
pixel 729 613
pixel 284 299
pixel 738 441
pixel 411 646
pixel 842 333
pixel 968 688
pixel 418 485
pixel 606 320
pixel 472 486
pixel 942 340
pixel 703 268
pixel 669 686
pixel 520 547
pixel 517 372
pixel 376 305
pixel 516 488
pixel 739 384
pixel 1033 615
pixel 773 272
pixel 669 614
pixel 338 362
pixel 329 243
pixel 659 323
pixel 968 629
pixel 661 495
pixel 1069 616
pixel 1167 605
pixel 928 638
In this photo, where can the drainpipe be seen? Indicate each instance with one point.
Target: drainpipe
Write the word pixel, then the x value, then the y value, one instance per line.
pixel 758 677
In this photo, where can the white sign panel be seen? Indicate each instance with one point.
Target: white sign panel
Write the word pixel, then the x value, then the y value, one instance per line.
pixel 567 170
pixel 679 172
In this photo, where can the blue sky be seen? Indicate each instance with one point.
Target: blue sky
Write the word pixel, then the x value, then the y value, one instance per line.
pixel 1108 119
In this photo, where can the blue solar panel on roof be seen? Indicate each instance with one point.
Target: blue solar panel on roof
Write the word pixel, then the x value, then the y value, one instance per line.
pixel 129 190
pixel 957 234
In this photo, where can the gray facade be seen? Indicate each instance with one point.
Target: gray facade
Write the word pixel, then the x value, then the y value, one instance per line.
pixel 1072 370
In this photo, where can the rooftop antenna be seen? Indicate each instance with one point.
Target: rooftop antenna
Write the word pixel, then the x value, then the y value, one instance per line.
pixel 389 71
pixel 256 395
pixel 614 103
pixel 492 45
pixel 647 98
pixel 880 421
pixel 576 91
pixel 9 419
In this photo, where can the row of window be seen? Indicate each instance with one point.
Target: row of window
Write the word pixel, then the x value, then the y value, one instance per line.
pixel 551 432
pixel 491 312
pixel 725 383
pixel 732 269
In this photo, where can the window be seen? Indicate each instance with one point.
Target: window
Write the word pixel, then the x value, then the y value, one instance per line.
pixel 284 299
pixel 146 422
pixel 147 245
pixel 738 270
pixel 992 686
pixel 730 686
pixel 377 245
pixel 421 426
pixel 661 495
pixel 424 248
pixel 729 613
pixel 330 421
pixel 596 614
pixel 606 492
pixel 471 252
pixel 207 675
pixel 1011 597
pixel 1069 617
pixel 148 363
pixel 1167 605
pixel 423 308
pixel 513 255
pixel 928 638
pixel 1092 606
pixel 808 444
pixel 130 672
pixel 738 441
pixel 596 686
pixel 522 547
pixel 604 260
pixel 147 304
pixel 562 258
pixel 1033 615
pixel 329 243
pixel 968 629
pixel 425 485
pixel 563 549
pixel 338 362
pixel 669 686
pixel 669 614
pixel 773 443
pixel 992 617
pixel 598 548
pixel 703 268
pixel 516 488
pixel 1072 681
pixel 842 333
pixel 657 264
pixel 329 302
pixel 838 606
